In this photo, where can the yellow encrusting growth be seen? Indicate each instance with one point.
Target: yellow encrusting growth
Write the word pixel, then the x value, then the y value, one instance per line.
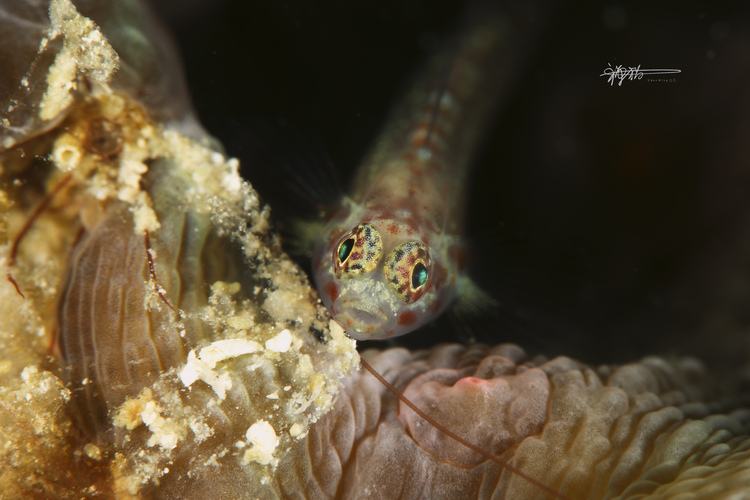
pixel 92 451
pixel 85 52
pixel 34 429
pixel 256 375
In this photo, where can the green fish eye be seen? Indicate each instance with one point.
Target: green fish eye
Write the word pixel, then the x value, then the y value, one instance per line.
pixel 418 276
pixel 406 270
pixel 359 251
pixel 345 249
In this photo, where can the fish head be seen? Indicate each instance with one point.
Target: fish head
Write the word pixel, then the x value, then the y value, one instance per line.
pixel 379 277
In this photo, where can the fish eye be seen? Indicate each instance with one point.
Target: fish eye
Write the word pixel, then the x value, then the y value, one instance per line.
pixel 418 275
pixel 345 250
pixel 407 270
pixel 358 252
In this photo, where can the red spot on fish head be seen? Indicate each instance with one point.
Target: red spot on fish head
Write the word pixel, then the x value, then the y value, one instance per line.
pixel 333 292
pixel 407 318
pixel 385 213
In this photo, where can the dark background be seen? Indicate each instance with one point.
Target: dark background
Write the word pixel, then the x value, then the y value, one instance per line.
pixel 610 222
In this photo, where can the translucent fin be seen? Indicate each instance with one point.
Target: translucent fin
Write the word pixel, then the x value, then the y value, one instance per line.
pixel 301 235
pixel 294 175
pixel 472 300
pixel 290 170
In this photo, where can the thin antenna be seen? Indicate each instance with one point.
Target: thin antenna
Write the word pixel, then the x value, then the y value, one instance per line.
pixel 27 225
pixel 152 272
pixel 458 438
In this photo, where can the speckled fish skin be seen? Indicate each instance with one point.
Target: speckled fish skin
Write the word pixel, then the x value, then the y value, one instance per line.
pixel 391 257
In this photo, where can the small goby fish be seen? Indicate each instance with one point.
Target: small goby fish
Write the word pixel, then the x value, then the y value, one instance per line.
pixel 391 257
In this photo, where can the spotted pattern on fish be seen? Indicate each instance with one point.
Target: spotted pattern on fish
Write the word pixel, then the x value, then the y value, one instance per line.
pixel 359 251
pixel 406 270
pixel 391 256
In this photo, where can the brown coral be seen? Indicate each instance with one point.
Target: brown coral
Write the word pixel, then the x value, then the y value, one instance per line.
pixel 641 429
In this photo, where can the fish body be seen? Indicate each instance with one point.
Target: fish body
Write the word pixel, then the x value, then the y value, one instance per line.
pixel 391 257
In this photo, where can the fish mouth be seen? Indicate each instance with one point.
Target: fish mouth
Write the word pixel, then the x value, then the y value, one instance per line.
pixel 361 319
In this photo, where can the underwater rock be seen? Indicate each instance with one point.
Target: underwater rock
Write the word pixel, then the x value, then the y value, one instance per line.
pixel 167 348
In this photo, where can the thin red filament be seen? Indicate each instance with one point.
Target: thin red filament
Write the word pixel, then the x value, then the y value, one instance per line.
pixel 27 225
pixel 152 272
pixel 458 438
